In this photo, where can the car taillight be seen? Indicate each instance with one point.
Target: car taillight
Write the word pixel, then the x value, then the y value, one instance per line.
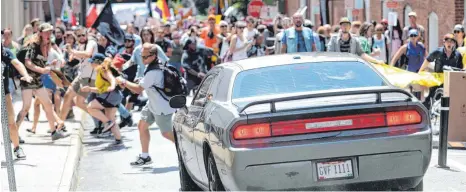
pixel 403 118
pixel 252 131
pixel 327 124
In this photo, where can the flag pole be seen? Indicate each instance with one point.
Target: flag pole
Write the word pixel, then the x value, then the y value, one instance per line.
pixel 82 20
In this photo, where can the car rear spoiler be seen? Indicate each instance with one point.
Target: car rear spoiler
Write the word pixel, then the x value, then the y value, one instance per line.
pixel 357 91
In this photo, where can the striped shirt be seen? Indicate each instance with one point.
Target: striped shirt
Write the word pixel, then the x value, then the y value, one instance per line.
pixel 344 46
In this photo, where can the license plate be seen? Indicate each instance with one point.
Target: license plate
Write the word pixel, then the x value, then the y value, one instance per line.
pixel 329 170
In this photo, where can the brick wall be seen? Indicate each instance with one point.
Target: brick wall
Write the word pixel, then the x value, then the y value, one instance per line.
pixel 448 12
pixel 459 11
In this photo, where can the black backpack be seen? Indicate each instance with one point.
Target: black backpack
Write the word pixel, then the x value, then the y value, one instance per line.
pixel 172 81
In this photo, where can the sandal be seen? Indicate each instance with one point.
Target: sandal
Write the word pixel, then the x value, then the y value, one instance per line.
pixel 30 131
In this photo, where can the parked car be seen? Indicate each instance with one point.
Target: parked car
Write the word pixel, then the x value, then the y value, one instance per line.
pixel 301 122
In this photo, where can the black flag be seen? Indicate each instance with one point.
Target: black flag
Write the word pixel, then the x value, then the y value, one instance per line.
pixel 108 26
pixel 149 7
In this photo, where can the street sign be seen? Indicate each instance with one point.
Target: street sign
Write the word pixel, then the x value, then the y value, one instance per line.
pixel 254 8
pixel 392 4
pixel 355 12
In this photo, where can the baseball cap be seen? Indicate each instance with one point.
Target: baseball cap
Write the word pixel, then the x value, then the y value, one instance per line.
pixel 129 37
pixel 412 14
pixel 118 61
pixel 413 32
pixel 448 36
pixel 345 20
pixel 458 28
pixel 45 27
pixel 97 58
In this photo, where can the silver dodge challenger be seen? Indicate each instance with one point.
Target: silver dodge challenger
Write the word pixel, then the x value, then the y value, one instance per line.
pixel 306 121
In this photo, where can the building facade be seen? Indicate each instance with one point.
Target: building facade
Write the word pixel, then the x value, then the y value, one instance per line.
pixel 437 16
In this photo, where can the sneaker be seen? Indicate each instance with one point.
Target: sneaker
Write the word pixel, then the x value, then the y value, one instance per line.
pixel 70 115
pixel 19 153
pixel 21 140
pixel 59 135
pixel 96 130
pixel 126 122
pixel 109 125
pixel 30 131
pixel 117 142
pixel 141 161
pixel 26 117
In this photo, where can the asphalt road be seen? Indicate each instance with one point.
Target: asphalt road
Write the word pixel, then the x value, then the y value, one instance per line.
pixel 104 168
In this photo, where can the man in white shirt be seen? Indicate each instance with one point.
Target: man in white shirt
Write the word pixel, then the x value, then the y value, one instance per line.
pixel 86 76
pixel 157 109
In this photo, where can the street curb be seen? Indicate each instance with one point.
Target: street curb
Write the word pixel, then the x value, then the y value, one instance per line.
pixel 69 177
pixel 451 144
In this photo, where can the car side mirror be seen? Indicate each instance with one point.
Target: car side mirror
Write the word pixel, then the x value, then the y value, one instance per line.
pixel 178 101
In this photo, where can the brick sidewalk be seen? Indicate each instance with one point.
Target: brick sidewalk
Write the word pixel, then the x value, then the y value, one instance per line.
pixel 50 165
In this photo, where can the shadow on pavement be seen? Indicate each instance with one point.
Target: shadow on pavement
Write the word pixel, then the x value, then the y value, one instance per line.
pixel 154 170
pixel 48 143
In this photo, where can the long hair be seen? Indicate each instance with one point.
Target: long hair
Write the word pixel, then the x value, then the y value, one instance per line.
pixel 147 29
pixel 105 65
pixel 364 28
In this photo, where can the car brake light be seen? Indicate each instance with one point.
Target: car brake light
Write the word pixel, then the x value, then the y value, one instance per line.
pixel 403 118
pixel 328 124
pixel 252 131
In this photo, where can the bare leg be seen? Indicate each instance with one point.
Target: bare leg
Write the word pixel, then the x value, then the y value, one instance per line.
pixel 144 135
pixel 42 95
pixel 57 99
pixel 67 102
pixel 169 136
pixel 95 109
pixel 11 121
pixel 36 115
pixel 110 113
pixel 27 99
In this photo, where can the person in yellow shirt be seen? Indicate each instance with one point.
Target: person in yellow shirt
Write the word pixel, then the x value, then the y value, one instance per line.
pixel 107 96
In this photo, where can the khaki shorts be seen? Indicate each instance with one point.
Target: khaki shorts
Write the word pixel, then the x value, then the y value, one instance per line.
pixel 78 83
pixel 164 122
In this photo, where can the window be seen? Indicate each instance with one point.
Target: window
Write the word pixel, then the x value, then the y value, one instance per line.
pixel 304 77
pixel 201 95
pixel 433 32
pixel 408 9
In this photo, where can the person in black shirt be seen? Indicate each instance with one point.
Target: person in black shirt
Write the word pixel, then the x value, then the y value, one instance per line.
pixel 444 56
pixel 9 60
pixel 164 43
pixel 194 61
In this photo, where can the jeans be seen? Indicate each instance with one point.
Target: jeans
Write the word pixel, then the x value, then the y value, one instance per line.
pixel 123 111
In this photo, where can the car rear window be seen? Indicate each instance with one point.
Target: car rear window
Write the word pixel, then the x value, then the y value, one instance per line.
pixel 304 77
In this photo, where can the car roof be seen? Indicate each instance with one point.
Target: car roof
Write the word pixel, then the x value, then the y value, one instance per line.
pixel 291 58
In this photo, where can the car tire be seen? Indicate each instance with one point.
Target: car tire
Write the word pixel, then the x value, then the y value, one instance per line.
pixel 215 184
pixel 419 187
pixel 186 182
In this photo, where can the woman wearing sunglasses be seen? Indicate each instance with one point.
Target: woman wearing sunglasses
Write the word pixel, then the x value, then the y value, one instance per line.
pixel 414 50
pixel 239 43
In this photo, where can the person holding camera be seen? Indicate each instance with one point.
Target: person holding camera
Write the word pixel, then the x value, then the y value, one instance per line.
pixel 258 48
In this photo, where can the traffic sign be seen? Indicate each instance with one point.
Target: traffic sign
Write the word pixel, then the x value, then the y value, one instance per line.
pixel 254 8
pixel 355 12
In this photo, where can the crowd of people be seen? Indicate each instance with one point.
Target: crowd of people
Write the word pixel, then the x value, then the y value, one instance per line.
pixel 60 67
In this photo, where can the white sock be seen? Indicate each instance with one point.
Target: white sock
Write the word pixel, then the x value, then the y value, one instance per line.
pixel 144 155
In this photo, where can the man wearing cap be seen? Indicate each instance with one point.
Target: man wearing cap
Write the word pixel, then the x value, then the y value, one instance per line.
pixel 414 50
pixel 157 110
pixel 298 38
pixel 345 43
pixel 444 56
pixel 413 25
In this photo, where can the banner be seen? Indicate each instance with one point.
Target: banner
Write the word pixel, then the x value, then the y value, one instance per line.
pixel 402 78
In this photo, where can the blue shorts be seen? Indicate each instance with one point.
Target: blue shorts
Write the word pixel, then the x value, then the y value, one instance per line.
pixel 48 82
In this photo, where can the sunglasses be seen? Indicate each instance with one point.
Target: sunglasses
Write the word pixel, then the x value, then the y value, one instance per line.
pixel 147 56
pixel 128 41
pixel 456 31
pixel 241 27
pixel 223 26
pixel 81 35
pixel 379 30
pixel 413 36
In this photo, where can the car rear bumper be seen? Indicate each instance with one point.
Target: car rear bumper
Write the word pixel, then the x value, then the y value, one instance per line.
pixel 397 161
